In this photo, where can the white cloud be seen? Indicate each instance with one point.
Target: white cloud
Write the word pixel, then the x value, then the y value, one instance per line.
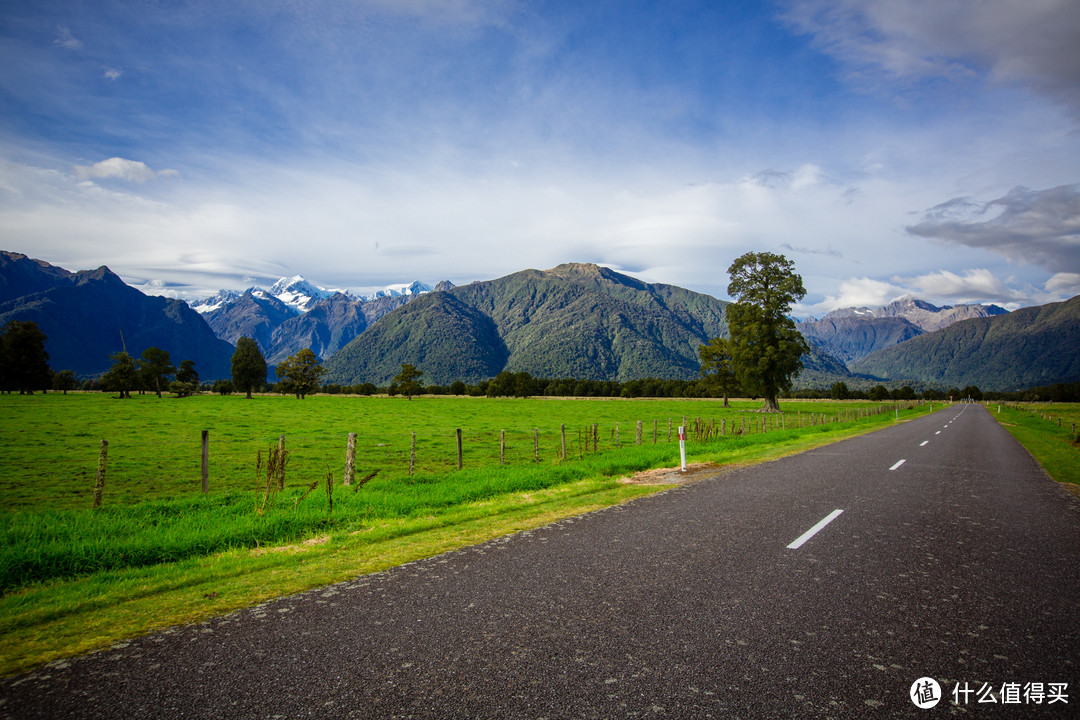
pixel 112 73
pixel 1064 285
pixel 66 40
pixel 973 286
pixel 121 169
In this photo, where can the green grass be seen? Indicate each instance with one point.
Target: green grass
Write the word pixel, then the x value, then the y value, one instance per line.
pixel 160 552
pixel 1046 430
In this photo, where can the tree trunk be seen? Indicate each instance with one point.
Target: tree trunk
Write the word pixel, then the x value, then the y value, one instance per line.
pixel 771 405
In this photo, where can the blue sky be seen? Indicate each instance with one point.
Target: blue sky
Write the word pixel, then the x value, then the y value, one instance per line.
pixel 888 148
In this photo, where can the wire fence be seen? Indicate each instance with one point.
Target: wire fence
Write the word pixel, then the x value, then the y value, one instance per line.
pixel 165 464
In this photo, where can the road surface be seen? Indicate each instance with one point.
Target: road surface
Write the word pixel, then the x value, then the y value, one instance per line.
pixel 828 584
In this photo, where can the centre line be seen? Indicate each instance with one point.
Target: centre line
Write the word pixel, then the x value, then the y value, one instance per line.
pixel 814 530
pixel 923 443
pixel 898 464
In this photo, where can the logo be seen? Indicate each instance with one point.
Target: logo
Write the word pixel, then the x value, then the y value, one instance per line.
pixel 925 693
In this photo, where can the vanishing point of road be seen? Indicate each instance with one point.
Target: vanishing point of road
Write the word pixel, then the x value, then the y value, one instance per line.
pixel 834 583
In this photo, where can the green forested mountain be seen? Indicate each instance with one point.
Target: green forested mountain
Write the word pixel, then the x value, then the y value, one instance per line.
pixel 1028 347
pixel 575 320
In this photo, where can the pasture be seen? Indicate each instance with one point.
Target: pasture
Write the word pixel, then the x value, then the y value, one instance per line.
pixel 159 551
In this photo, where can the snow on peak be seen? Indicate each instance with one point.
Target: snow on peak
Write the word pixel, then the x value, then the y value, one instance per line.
pixel 214 302
pixel 298 293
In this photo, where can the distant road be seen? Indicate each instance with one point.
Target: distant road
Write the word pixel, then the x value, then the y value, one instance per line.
pixel 821 585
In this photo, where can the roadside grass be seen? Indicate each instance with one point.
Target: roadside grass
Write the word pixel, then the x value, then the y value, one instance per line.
pixel 77 579
pixel 1046 430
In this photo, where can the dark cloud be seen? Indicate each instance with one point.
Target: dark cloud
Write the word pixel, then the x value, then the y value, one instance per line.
pixel 1040 227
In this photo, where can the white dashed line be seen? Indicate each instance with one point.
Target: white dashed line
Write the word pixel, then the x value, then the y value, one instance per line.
pixel 923 443
pixel 814 530
pixel 898 464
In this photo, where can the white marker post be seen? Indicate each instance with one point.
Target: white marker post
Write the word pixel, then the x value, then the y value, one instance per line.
pixel 682 446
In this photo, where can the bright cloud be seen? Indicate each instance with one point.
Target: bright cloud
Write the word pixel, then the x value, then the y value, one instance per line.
pixel 120 169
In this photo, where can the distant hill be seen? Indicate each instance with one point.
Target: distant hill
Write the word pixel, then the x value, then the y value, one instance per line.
pixel 91 314
pixel 1025 348
pixel 853 333
pixel 575 320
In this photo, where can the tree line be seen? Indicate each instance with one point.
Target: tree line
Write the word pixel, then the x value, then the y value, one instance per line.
pixel 760 359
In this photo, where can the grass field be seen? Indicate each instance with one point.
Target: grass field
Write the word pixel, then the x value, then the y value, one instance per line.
pixel 159 552
pixel 1049 432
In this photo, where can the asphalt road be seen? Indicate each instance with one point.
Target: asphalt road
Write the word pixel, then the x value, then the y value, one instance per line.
pixel 960 564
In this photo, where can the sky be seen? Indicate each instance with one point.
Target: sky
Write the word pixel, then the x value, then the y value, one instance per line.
pixel 926 148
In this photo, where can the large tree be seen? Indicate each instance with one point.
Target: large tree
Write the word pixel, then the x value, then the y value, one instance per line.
pixel 24 364
pixel 300 373
pixel 122 376
pixel 248 366
pixel 766 346
pixel 155 368
pixel 717 368
pixel 407 382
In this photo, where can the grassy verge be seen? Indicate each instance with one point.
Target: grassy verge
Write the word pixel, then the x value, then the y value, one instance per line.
pixel 1047 433
pixel 74 611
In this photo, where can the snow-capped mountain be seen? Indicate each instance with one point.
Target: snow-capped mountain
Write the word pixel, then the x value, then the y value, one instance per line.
pixel 298 293
pixel 399 290
pixel 214 302
pixel 294 313
pixel 853 333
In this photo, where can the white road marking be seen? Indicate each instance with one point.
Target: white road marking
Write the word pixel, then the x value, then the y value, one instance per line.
pixel 923 443
pixel 814 530
pixel 898 464
pixel 938 432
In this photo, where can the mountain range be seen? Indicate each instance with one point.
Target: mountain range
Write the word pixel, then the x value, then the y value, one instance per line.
pixel 89 315
pixel 851 334
pixel 294 314
pixel 574 320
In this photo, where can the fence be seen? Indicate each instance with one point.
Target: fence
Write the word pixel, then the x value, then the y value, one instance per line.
pixel 138 468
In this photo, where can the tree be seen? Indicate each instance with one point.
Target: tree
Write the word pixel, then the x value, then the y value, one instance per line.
pixel 187 379
pixel 248 366
pixel 300 373
pixel 716 367
pixel 155 368
pixel 879 393
pixel 839 391
pixel 766 347
pixel 24 364
pixel 122 376
pixel 407 382
pixel 65 380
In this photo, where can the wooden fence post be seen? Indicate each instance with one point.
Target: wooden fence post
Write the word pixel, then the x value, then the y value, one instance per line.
pixel 99 481
pixel 350 460
pixel 638 432
pixel 412 453
pixel 459 459
pixel 536 444
pixel 654 425
pixel 205 461
pixel 502 447
pixel 562 430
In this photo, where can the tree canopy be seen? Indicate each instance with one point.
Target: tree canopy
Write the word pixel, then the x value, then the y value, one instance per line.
pixel 248 366
pixel 155 368
pixel 766 346
pixel 123 376
pixel 300 373
pixel 407 382
pixel 717 368
pixel 24 363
